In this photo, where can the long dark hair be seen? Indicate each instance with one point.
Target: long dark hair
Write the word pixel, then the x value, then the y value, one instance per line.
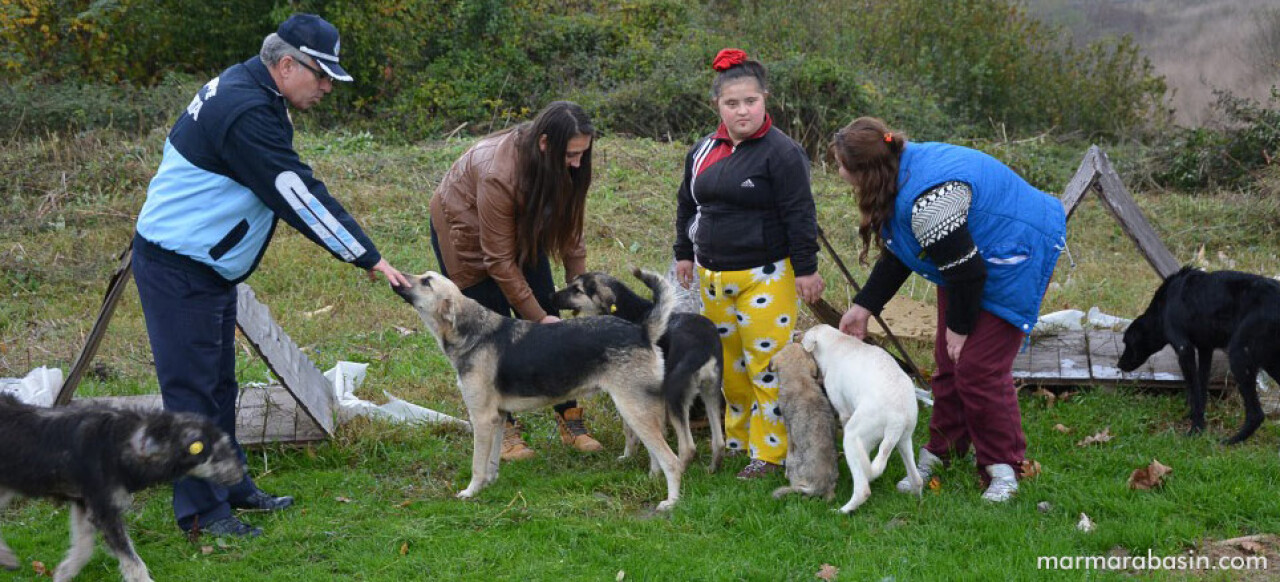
pixel 870 152
pixel 555 195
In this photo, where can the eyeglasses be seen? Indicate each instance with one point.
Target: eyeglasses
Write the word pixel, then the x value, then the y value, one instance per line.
pixel 320 75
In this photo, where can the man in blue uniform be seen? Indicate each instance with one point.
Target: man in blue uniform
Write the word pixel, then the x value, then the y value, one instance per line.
pixel 229 172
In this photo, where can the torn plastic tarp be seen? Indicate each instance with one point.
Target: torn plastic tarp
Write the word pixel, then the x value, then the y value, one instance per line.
pixel 1075 320
pixel 347 376
pixel 39 387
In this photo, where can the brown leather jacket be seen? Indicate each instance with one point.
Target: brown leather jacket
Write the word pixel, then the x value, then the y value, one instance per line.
pixel 474 213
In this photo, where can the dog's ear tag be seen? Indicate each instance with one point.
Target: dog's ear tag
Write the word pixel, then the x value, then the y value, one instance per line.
pixel 196 448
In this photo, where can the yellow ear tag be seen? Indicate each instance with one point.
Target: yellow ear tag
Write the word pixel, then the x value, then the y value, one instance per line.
pixel 613 309
pixel 196 448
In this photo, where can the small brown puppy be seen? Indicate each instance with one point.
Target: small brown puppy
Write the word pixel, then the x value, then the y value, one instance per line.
pixel 811 443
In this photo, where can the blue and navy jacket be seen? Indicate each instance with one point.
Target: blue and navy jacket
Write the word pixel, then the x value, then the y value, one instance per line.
pixel 1018 230
pixel 229 171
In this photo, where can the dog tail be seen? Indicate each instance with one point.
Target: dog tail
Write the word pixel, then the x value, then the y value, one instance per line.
pixel 664 303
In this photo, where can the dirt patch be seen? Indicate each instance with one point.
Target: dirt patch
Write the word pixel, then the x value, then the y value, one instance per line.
pixel 1255 557
pixel 908 318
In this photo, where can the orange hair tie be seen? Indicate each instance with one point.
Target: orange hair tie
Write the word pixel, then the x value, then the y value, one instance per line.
pixel 888 138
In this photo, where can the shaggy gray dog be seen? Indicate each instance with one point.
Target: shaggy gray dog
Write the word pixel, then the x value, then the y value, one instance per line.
pixel 811 443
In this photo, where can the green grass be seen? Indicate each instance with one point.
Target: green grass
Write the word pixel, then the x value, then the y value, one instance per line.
pixel 376 502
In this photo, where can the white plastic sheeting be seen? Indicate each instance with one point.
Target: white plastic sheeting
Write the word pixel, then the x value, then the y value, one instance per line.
pixel 39 387
pixel 347 376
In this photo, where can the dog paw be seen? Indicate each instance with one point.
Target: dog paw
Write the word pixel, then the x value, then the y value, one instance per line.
pixel 666 505
pixel 466 494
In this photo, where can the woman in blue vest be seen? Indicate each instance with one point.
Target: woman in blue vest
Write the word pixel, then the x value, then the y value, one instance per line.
pixel 989 240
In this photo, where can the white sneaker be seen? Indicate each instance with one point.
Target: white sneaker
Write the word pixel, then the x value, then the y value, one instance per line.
pixel 1004 483
pixel 926 463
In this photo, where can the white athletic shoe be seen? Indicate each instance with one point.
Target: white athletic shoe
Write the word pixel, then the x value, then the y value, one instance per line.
pixel 1004 483
pixel 926 464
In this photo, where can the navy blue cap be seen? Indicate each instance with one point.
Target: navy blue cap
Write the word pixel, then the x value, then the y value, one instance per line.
pixel 318 39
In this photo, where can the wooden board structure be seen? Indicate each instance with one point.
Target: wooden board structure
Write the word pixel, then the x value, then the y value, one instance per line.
pixel 302 400
pixel 264 414
pixel 1090 356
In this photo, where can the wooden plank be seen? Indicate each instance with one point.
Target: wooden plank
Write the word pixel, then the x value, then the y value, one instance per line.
pixel 1090 357
pixel 115 288
pixel 1084 180
pixel 1117 199
pixel 264 414
pixel 295 371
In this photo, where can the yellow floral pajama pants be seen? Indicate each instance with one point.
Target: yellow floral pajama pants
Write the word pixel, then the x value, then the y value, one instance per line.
pixel 755 311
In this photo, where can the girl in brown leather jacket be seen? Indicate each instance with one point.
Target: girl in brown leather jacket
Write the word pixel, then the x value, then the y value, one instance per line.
pixel 510 203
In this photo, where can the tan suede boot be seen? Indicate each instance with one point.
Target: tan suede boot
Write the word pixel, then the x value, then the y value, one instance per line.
pixel 513 446
pixel 573 431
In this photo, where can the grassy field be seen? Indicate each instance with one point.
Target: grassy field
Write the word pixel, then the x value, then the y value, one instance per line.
pixel 376 502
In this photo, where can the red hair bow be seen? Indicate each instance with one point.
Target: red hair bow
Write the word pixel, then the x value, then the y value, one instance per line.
pixel 727 58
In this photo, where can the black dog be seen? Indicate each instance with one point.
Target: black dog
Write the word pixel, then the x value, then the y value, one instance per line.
pixel 693 359
pixel 96 457
pixel 1197 312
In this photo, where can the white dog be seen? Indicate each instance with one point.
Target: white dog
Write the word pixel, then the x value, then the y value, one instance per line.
pixel 876 402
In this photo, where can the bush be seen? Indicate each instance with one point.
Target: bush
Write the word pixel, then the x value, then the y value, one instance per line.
pixel 425 67
pixel 1223 157
pixel 33 107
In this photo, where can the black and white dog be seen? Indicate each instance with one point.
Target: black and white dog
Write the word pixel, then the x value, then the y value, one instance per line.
pixel 96 457
pixel 1197 312
pixel 510 365
pixel 693 359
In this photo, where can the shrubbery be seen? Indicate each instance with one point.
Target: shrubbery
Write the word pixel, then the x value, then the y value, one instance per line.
pixel 1221 157
pixel 426 67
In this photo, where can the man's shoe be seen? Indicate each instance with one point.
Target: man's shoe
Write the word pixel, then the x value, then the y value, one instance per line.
pixel 262 501
pixel 758 468
pixel 513 446
pixel 573 431
pixel 230 527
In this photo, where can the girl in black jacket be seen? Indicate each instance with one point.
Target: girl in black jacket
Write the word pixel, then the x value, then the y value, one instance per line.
pixel 746 218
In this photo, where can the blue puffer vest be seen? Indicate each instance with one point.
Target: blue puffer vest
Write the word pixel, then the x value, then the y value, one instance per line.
pixel 1019 230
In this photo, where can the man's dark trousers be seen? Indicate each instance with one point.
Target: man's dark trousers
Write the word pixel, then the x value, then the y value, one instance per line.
pixel 191 322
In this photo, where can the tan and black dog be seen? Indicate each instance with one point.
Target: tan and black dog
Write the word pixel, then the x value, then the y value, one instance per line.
pixel 694 358
pixel 811 425
pixel 510 365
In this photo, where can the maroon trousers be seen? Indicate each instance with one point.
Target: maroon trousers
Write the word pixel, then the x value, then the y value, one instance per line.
pixel 974 401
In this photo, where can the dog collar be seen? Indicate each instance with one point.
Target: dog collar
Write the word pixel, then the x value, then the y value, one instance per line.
pixel 196 448
pixel 613 308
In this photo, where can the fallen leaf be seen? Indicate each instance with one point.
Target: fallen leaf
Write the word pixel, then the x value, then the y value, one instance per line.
pixel 1101 437
pixel 1085 524
pixel 404 330
pixel 405 503
pixel 39 568
pixel 935 484
pixel 1060 428
pixel 1030 469
pixel 404 548
pixel 321 311
pixel 1049 397
pixel 206 550
pixel 341 499
pixel 1149 477
pixel 827 572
